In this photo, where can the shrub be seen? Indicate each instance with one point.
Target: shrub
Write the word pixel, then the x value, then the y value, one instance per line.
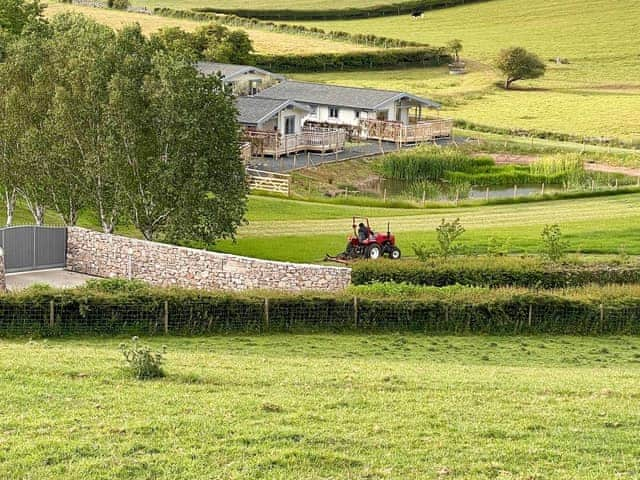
pixel 495 272
pixel 553 247
pixel 448 234
pixel 142 361
pixel 120 4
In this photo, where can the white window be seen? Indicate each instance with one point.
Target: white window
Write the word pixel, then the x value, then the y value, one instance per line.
pixel 333 112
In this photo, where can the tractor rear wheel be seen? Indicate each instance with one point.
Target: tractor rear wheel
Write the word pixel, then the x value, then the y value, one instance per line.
pixel 374 252
pixel 395 254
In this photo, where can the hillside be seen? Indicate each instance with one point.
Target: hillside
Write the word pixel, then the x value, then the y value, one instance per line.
pixel 596 94
pixel 263 41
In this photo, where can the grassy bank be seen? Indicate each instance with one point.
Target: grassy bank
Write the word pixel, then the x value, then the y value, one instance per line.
pixel 382 406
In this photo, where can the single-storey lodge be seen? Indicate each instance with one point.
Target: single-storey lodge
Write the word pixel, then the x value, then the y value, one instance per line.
pixel 283 116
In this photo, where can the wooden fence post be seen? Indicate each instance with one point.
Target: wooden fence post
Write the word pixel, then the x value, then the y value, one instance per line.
pixel 355 312
pixel 530 314
pixel 165 317
pixel 266 314
pixel 52 314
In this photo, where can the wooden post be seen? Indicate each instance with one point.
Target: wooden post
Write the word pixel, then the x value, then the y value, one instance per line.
pixel 487 195
pixel 266 314
pixel 515 191
pixel 593 184
pixel 385 196
pixel 165 317
pixel 616 183
pixel 530 314
pixel 424 196
pixel 602 314
pixel 542 189
pixel 457 196
pixel 355 312
pixel 52 314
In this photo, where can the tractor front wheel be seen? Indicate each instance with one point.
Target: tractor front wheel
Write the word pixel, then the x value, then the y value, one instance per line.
pixel 374 252
pixel 395 254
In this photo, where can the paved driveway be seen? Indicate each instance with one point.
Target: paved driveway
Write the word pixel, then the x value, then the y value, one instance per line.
pixel 57 278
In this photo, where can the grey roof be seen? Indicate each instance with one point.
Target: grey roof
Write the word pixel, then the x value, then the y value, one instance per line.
pixel 228 71
pixel 333 95
pixel 254 110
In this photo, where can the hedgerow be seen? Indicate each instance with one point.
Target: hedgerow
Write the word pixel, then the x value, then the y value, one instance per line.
pixel 92 311
pixel 358 60
pixel 339 13
pixel 494 272
pixel 370 40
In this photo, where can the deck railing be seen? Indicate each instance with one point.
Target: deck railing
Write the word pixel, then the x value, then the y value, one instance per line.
pixel 312 139
pixel 397 132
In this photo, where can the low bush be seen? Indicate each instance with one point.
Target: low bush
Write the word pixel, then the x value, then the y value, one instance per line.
pixel 367 308
pixel 142 361
pixel 494 272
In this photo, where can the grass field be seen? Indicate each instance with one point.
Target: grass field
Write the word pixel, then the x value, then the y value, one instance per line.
pixel 324 406
pixel 263 41
pixel 258 4
pixel 305 232
pixel 596 94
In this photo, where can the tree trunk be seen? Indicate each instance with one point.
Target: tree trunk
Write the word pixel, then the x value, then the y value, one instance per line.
pixel 38 214
pixel 507 83
pixel 10 203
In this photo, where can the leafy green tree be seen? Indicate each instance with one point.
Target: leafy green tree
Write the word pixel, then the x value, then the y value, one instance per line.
pixel 516 63
pixel 175 134
pixel 25 97
pixel 236 47
pixel 81 63
pixel 455 46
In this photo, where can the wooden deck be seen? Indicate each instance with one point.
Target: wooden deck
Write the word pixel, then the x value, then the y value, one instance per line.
pixel 397 132
pixel 309 140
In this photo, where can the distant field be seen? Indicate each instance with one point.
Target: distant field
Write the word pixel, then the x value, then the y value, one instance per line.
pixel 259 4
pixel 383 407
pixel 263 41
pixel 596 94
pixel 305 232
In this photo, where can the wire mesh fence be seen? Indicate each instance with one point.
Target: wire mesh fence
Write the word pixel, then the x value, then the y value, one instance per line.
pixel 300 315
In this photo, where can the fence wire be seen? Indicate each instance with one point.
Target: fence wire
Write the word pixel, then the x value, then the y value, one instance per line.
pixel 257 316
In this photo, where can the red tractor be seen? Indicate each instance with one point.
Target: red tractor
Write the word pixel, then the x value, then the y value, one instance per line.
pixel 365 243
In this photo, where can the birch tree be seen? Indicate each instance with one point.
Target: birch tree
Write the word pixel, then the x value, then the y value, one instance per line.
pixel 177 140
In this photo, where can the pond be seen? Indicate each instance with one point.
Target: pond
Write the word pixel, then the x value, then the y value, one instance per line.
pixel 445 191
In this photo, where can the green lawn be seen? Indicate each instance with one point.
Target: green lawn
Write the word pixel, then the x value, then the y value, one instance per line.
pixel 597 93
pixel 324 406
pixel 305 232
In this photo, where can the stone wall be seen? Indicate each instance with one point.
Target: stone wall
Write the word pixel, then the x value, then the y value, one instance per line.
pixel 3 280
pixel 165 265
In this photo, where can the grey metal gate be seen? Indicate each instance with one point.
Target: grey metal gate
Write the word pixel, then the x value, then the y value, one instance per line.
pixel 33 248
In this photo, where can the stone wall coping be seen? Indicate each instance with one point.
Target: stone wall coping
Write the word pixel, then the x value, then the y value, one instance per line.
pixel 225 256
